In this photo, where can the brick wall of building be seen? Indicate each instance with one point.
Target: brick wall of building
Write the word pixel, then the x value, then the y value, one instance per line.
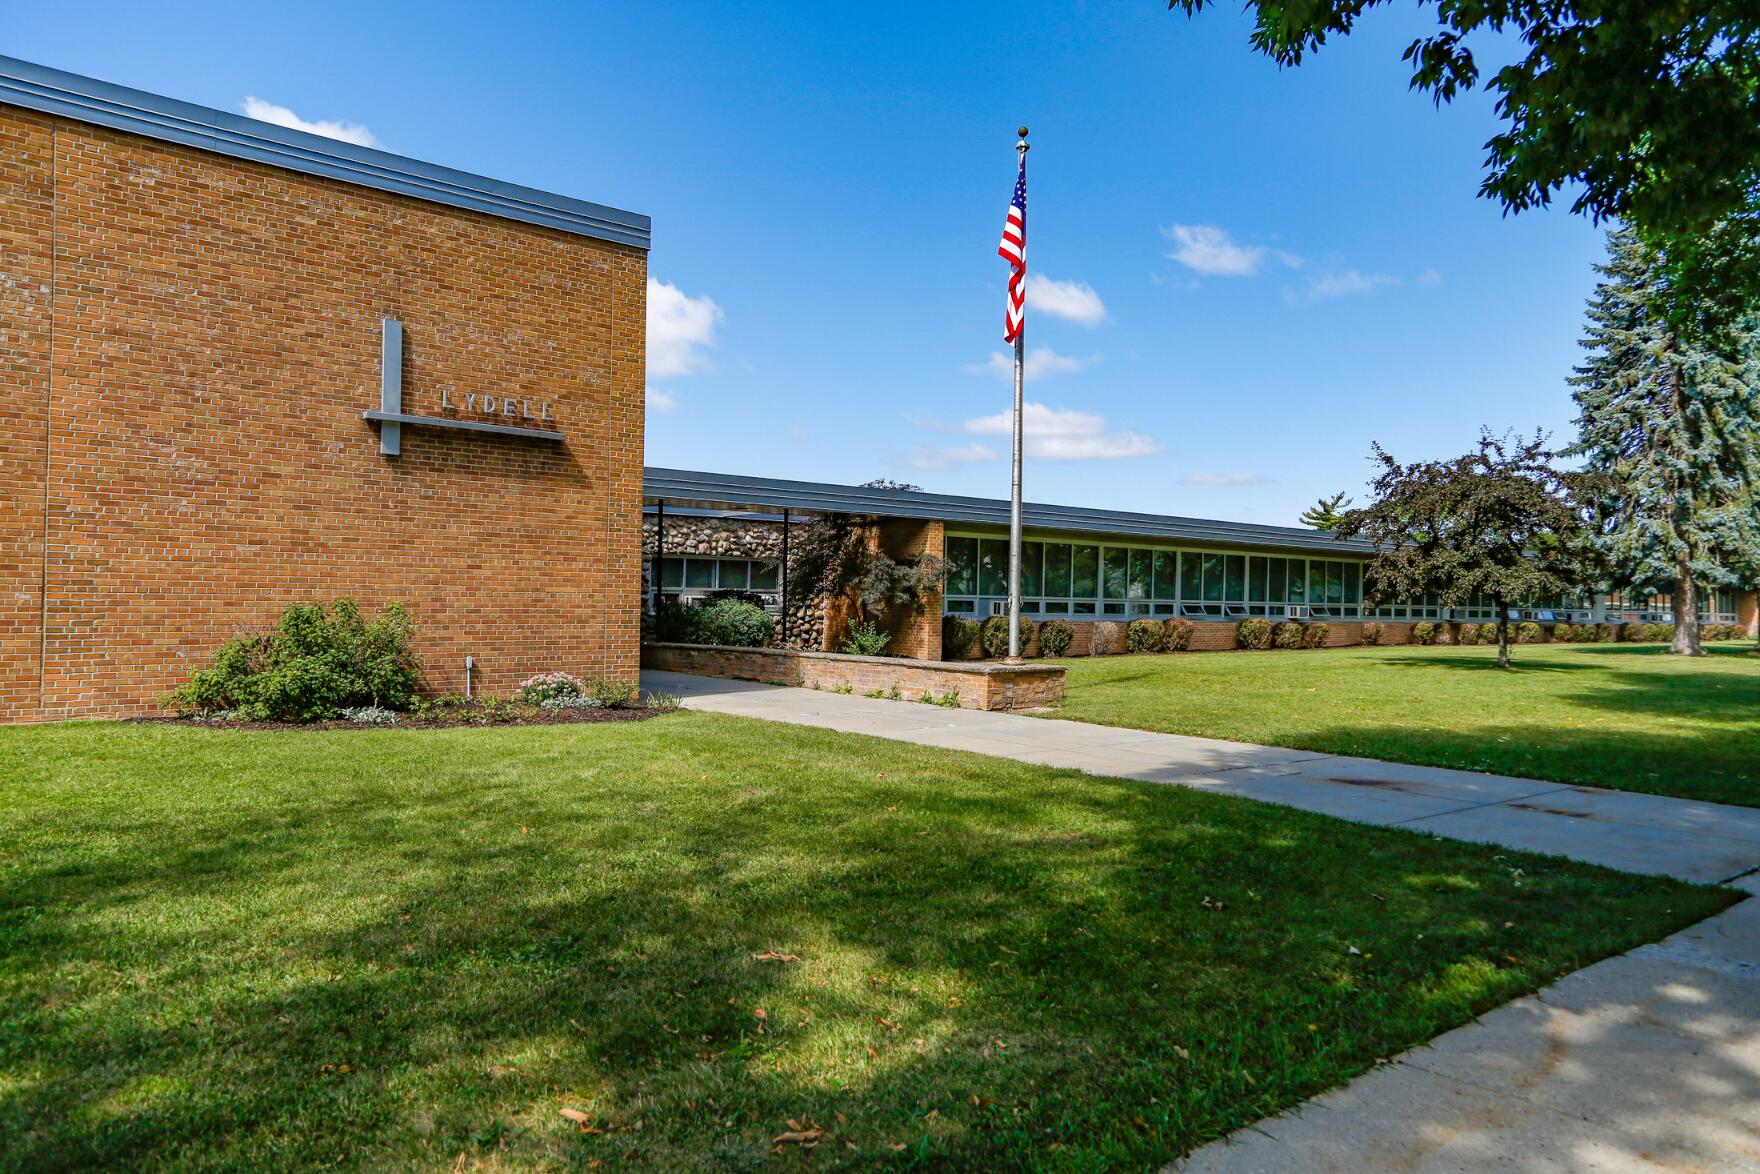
pixel 189 342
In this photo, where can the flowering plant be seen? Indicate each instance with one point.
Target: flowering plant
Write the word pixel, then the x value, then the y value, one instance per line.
pixel 541 688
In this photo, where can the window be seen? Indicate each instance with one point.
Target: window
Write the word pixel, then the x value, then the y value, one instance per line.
pixel 1032 555
pixel 1140 574
pixel 1276 573
pixel 671 572
pixel 992 567
pixel 734 574
pixel 1057 569
pixel 1256 580
pixel 1235 578
pixel 1213 578
pixel 1166 576
pixel 1116 573
pixel 1086 574
pixel 699 572
pixel 765 576
pixel 962 566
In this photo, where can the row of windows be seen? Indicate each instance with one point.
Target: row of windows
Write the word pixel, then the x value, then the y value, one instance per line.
pixel 718 574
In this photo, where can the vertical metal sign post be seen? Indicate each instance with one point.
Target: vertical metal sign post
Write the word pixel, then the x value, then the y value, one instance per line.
pixel 1014 497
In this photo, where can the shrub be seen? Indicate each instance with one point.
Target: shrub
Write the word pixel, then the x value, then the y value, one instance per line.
pixel 1108 638
pixel 370 715
pixel 1468 634
pixel 1176 635
pixel 1633 632
pixel 958 634
pixel 1528 632
pixel 1055 637
pixel 1314 635
pixel 1661 632
pixel 541 688
pixel 610 694
pixel 1371 633
pixel 1606 633
pixel 1563 633
pixel 673 621
pixel 570 701
pixel 1287 635
pixel 1253 633
pixel 735 593
pixel 1143 635
pixel 313 664
pixel 995 635
pixel 1423 632
pixel 865 639
pixel 1489 633
pixel 732 622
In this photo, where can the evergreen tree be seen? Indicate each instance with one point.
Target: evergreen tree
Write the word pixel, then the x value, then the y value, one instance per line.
pixel 1672 425
pixel 1325 513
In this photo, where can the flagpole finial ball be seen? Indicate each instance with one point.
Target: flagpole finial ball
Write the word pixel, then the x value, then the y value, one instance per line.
pixel 1023 132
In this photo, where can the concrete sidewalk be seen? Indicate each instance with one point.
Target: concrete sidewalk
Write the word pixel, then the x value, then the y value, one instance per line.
pixel 1647 1061
pixel 1705 842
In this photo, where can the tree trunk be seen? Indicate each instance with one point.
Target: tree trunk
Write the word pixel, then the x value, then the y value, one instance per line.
pixel 1686 611
pixel 1502 634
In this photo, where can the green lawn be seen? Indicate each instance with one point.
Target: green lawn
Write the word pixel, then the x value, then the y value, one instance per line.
pixel 396 949
pixel 1622 715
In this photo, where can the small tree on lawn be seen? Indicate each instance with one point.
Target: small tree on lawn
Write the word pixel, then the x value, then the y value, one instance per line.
pixel 1499 522
pixel 1325 513
pixel 1673 424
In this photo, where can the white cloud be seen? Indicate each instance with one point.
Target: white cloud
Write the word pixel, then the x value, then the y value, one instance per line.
pixel 1338 285
pixel 680 327
pixel 1040 361
pixel 661 401
pixel 348 132
pixel 1430 278
pixel 1226 480
pixel 927 457
pixel 1210 250
pixel 1064 434
pixel 1074 301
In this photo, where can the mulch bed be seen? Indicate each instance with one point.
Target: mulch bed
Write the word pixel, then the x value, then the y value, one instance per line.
pixel 537 717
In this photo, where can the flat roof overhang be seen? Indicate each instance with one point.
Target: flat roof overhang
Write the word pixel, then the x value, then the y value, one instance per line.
pixel 734 492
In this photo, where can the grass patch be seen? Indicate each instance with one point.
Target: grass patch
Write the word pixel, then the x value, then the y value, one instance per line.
pixel 1630 717
pixel 393 948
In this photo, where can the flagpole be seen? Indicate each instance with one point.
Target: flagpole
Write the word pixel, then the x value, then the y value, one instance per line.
pixel 1014 497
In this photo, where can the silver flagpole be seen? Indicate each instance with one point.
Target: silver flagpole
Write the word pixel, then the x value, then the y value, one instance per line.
pixel 1014 497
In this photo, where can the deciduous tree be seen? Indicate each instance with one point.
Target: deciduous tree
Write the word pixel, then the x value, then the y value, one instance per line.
pixel 1500 522
pixel 1674 427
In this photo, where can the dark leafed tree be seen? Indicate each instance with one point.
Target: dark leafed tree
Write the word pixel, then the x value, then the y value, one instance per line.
pixel 1500 522
pixel 1325 513
pixel 1673 426
pixel 1649 110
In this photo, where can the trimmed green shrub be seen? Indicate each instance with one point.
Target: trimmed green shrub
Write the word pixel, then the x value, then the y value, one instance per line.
pixel 1314 635
pixel 1567 633
pixel 1176 635
pixel 1468 634
pixel 1423 632
pixel 958 634
pixel 1371 633
pixel 1528 632
pixel 1055 637
pixel 1143 635
pixel 1253 633
pixel 313 664
pixel 995 635
pixel 1662 632
pixel 733 623
pixel 611 694
pixel 865 639
pixel 1606 633
pixel 1287 635
pixel 1633 632
pixel 1107 639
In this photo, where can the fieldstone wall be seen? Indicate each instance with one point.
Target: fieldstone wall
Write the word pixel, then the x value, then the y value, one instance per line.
pixel 708 537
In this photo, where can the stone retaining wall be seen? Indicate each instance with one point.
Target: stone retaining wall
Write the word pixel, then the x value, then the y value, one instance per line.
pixel 979 686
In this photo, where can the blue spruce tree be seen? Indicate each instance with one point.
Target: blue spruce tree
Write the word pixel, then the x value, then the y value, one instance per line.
pixel 1672 425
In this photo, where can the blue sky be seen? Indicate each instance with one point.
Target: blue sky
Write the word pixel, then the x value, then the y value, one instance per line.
pixel 1257 272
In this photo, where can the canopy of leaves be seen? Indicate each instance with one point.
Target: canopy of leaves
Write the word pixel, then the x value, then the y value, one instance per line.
pixel 1649 110
pixel 1500 522
pixel 1673 425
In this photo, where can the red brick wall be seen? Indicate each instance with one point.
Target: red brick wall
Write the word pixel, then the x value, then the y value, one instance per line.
pixel 915 633
pixel 200 371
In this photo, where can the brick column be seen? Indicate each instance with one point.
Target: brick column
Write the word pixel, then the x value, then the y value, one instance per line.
pixel 916 633
pixel 1748 613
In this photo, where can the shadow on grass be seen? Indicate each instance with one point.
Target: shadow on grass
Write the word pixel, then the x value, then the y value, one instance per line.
pixel 397 959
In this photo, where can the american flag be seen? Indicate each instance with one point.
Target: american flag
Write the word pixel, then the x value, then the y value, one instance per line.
pixel 1013 249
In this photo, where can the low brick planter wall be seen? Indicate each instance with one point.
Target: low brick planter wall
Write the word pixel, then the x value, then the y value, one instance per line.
pixel 980 684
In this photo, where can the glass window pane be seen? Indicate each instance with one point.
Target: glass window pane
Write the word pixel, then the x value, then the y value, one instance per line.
pixel 1191 576
pixel 672 572
pixel 992 567
pixel 1334 582
pixel 1140 572
pixel 1236 578
pixel 962 566
pixel 1212 578
pixel 1115 572
pixel 1086 574
pixel 1353 583
pixel 1032 553
pixel 1276 570
pixel 699 572
pixel 1256 579
pixel 735 573
pixel 1166 575
pixel 1057 569
pixel 1298 581
pixel 764 576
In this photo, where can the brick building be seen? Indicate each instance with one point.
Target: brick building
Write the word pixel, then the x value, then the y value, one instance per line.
pixel 245 366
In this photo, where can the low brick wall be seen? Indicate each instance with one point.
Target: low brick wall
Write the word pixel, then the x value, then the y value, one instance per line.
pixel 980 685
